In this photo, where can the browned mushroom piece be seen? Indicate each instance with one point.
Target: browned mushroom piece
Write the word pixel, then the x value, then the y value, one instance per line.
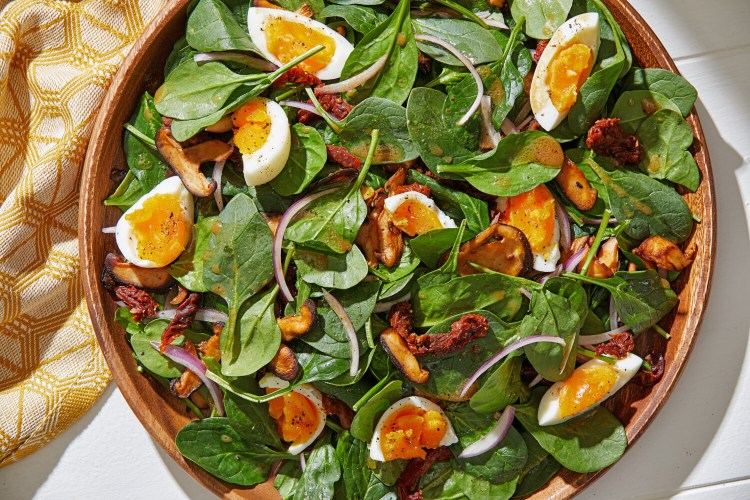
pixel 293 326
pixel 500 247
pixel 222 126
pixel 188 382
pixel 663 253
pixel 575 186
pixel 182 294
pixel 607 260
pixel 273 221
pixel 367 240
pixel 187 162
pixel 397 349
pixel 609 255
pixel 284 364
pixel 390 240
pixel 118 272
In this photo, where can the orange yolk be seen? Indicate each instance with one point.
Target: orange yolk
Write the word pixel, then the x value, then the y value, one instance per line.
pixel 287 40
pixel 567 73
pixel 252 126
pixel 414 218
pixel 159 229
pixel 408 431
pixel 297 417
pixel 585 387
pixel 533 213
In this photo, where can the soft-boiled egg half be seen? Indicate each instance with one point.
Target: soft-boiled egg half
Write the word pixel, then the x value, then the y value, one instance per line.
pixel 158 227
pixel 415 214
pixel 533 213
pixel 282 35
pixel 408 427
pixel 563 68
pixel 588 385
pixel 261 132
pixel 299 413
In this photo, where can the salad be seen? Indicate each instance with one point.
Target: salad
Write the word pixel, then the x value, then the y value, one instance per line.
pixel 402 249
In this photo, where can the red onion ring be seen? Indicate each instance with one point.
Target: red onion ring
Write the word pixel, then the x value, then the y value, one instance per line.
pixel 596 222
pixel 109 230
pixel 351 333
pixel 492 438
pixel 197 366
pixel 575 259
pixel 216 175
pixel 564 222
pixel 278 239
pixel 250 62
pixel 488 129
pixel 508 127
pixel 612 313
pixel 525 293
pixel 553 274
pixel 302 463
pixel 209 315
pixel 532 339
pixel 355 81
pixel 465 61
pixel 302 105
pixel 536 381
pixel 485 16
pixel 382 307
pixel 601 337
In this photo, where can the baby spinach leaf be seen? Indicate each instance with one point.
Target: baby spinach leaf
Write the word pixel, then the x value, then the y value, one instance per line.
pixel 518 164
pixel 332 270
pixel 431 246
pixel 664 82
pixel 377 490
pixel 473 41
pixel 295 5
pixel 635 106
pixel 287 479
pixel 188 268
pixel 259 336
pixel 542 17
pixel 237 265
pixel 252 420
pixel 143 161
pixel 397 288
pixel 217 448
pixel 320 474
pixel 307 157
pixel 406 266
pixel 455 203
pixel 362 19
pixel 665 137
pixel 357 2
pixel 365 419
pixel 180 53
pixel 501 388
pixel 539 468
pixel 392 38
pixel 436 483
pixel 353 454
pixel 149 357
pixel 587 443
pixel 349 394
pixel 211 26
pixel 479 489
pixel 127 193
pixel 185 129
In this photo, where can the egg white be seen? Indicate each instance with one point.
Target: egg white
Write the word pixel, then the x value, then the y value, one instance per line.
pixel 309 391
pixel 127 243
pixel 549 406
pixel 582 29
pixel 264 164
pixel 393 202
pixel 546 260
pixel 257 17
pixel 376 450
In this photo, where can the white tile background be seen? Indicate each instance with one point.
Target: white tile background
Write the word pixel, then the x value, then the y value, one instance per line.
pixel 698 447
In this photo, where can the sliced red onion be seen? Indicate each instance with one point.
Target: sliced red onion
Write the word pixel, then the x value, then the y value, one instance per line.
pixel 250 62
pixel 197 366
pixel 488 129
pixel 355 81
pixel 525 293
pixel 382 307
pixel 553 274
pixel 278 239
pixel 596 222
pixel 492 438
pixel 508 127
pixel 485 16
pixel 601 337
pixel 208 315
pixel 612 313
pixel 346 322
pixel 465 61
pixel 564 222
pixel 524 123
pixel 302 463
pixel 532 339
pixel 216 175
pixel 301 105
pixel 536 381
pixel 524 113
pixel 575 259
pixel 109 230
pixel 120 303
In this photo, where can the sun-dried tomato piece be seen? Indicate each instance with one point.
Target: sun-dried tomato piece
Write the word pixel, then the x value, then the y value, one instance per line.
pixel 649 378
pixel 336 407
pixel 401 319
pixel 415 469
pixel 188 382
pixel 424 63
pixel 619 347
pixel 540 46
pixel 139 302
pixel 211 348
pixel 181 321
pixel 335 105
pixel 419 188
pixel 297 75
pixel 465 330
pixel 607 138
pixel 341 156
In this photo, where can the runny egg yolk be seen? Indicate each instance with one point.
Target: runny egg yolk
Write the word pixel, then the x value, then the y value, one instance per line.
pixel 533 213
pixel 414 218
pixel 409 430
pixel 159 229
pixel 287 40
pixel 567 73
pixel 296 415
pixel 586 387
pixel 252 126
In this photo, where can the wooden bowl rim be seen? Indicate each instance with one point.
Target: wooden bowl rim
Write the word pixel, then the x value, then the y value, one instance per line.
pixel 565 484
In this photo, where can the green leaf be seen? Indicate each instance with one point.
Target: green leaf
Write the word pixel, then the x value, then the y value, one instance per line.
pixel 143 161
pixel 127 193
pixel 475 42
pixel 321 473
pixel 664 82
pixel 543 17
pixel 153 360
pixel 252 420
pixel 287 479
pixel 502 387
pixel 588 443
pixel 259 337
pixel 365 419
pixel 431 246
pixel 188 268
pixel 633 107
pixel 211 26
pixel 478 489
pixel 332 270
pixel 362 19
pixel 307 157
pixel 540 467
pixel 352 454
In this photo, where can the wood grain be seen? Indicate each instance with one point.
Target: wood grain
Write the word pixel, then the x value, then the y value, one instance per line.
pixel 162 415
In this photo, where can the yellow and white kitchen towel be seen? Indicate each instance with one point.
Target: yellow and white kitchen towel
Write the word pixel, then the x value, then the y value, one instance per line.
pixel 57 59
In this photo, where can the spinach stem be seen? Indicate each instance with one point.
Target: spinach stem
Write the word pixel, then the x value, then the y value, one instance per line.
pixel 511 41
pixel 323 113
pixel 288 258
pixel 597 241
pixel 592 355
pixel 368 333
pixel 646 365
pixel 375 138
pixel 248 396
pixel 464 12
pixel 369 394
pixel 194 408
pixel 661 331
pixel 273 76
pixel 334 426
pixel 286 94
pixel 148 141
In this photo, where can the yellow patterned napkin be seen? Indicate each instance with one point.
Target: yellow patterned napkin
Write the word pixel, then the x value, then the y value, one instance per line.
pixel 56 60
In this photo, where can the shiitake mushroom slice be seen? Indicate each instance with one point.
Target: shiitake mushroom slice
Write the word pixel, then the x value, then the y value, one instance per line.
pixel 501 248
pixel 396 348
pixel 118 272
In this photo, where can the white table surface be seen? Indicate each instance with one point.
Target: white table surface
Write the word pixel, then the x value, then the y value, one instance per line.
pixel 698 447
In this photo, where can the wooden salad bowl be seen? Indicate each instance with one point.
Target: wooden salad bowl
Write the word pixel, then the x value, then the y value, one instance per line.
pixel 163 415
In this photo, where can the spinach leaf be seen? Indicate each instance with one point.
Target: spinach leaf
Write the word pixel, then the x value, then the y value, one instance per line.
pixel 188 268
pixel 353 454
pixel 437 482
pixel 664 82
pixel 357 2
pixel 542 17
pixel 320 474
pixel 392 38
pixel 652 208
pixel 641 298
pixel 430 247
pixel 475 42
pixel 398 288
pixel 252 421
pixel 143 161
pixel 295 5
pixel 127 193
pixel 665 137
pixel 587 443
pixel 307 157
pixel 287 479
pixel 377 490
pixel 259 335
pixel 479 489
pixel 150 358
pixel 180 53
pixel 539 468
pixel 349 394
pixel 519 163
pixel 237 265
pixel 635 106
pixel 405 267
pixel 365 419
pixel 216 447
pixel 501 388
pixel 362 19
pixel 211 26
pixel 332 270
